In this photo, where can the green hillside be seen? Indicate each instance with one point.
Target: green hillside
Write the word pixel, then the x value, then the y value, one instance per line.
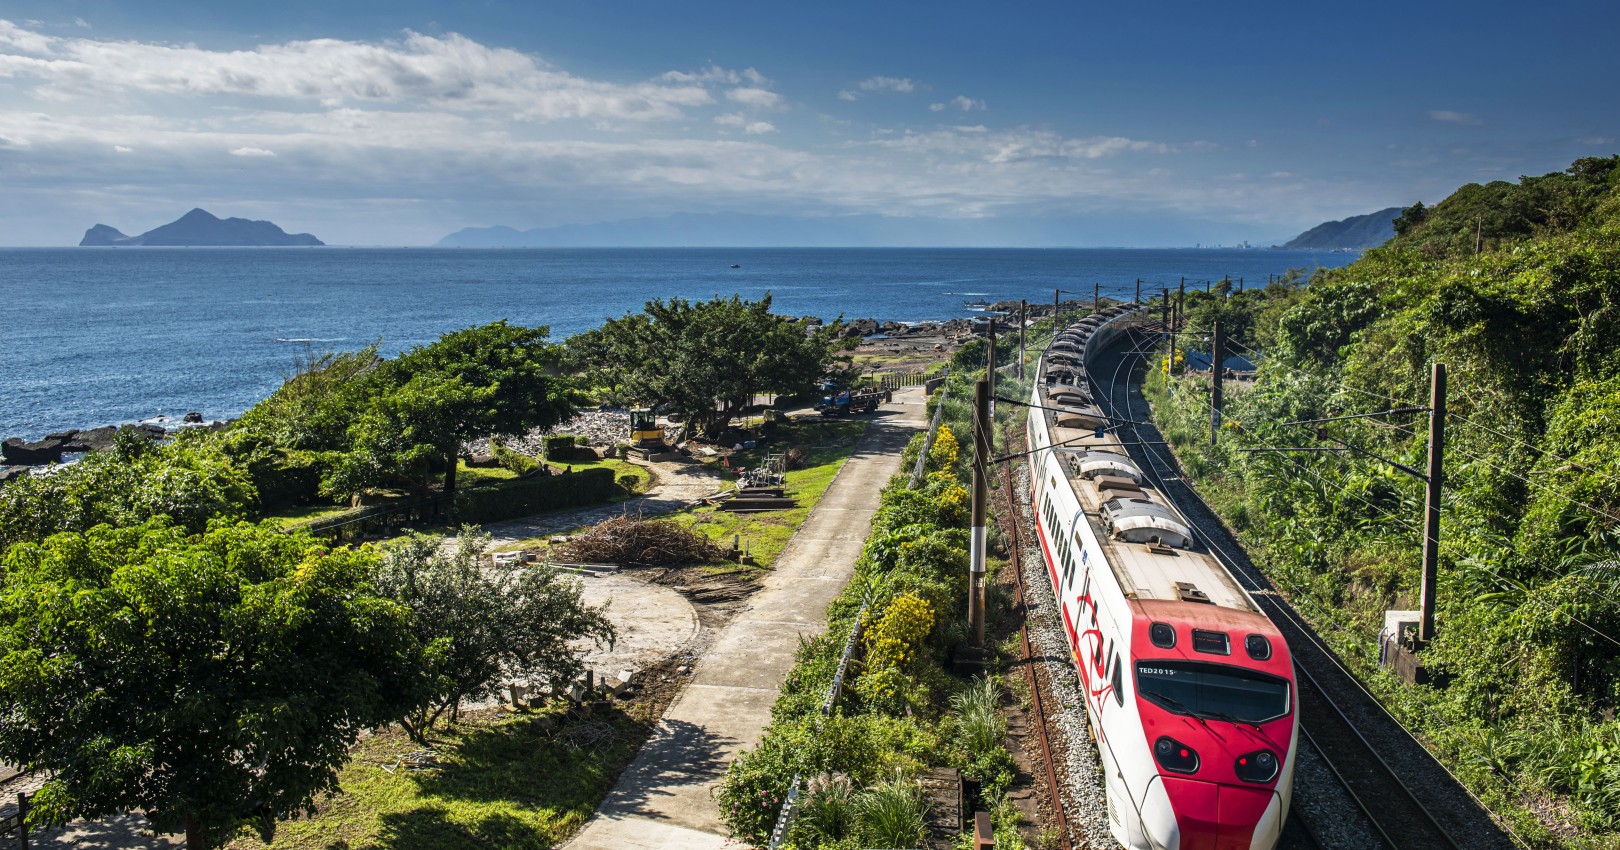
pixel 1516 287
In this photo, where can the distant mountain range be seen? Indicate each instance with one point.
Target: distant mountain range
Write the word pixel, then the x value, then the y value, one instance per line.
pixel 746 230
pixel 1356 233
pixel 200 228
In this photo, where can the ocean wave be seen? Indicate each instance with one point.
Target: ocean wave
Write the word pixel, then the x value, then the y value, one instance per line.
pixel 311 338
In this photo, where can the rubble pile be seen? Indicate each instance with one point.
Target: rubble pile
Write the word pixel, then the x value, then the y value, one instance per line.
pixel 626 540
pixel 604 428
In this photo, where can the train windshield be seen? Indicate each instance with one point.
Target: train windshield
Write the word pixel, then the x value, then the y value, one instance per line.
pixel 1213 691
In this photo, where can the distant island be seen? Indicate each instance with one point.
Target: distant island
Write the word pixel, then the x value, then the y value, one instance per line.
pixel 200 228
pixel 1356 233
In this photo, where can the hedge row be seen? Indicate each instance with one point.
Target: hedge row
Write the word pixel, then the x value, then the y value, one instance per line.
pixel 527 496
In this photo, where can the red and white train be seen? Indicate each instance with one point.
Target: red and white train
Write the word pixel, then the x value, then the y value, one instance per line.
pixel 1189 687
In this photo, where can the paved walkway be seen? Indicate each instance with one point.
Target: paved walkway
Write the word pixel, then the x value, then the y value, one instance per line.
pixel 663 799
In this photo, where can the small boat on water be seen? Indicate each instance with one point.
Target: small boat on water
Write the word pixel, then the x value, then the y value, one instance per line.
pixel 736 265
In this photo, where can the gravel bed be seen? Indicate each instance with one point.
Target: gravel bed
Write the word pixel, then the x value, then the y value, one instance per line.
pixel 1075 757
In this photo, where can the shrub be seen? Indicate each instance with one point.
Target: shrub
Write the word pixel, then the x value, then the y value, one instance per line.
pixel 893 640
pixel 827 815
pixel 944 454
pixel 515 461
pixel 559 447
pixel 891 815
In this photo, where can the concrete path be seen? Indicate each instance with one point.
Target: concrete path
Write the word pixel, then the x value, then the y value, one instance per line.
pixel 663 799
pixel 675 486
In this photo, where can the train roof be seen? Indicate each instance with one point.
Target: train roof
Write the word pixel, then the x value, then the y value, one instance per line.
pixel 1150 547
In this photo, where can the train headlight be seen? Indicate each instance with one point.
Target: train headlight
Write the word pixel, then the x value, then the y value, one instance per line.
pixel 1174 756
pixel 1260 766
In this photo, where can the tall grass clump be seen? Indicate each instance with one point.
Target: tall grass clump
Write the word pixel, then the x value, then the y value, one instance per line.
pixel 891 815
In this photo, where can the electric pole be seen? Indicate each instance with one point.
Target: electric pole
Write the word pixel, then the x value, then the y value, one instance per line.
pixel 1431 500
pixel 1138 298
pixel 1023 319
pixel 1055 308
pixel 1215 381
pixel 1164 310
pixel 1096 297
pixel 981 486
pixel 990 365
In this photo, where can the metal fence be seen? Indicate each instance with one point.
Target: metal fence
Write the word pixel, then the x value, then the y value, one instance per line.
pixel 784 818
pixel 928 440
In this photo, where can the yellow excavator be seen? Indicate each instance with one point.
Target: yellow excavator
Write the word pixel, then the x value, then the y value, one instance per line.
pixel 646 435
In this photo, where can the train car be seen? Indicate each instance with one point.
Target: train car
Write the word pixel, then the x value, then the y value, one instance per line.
pixel 1189 687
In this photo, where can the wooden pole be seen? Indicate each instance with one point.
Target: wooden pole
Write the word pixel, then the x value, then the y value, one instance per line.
pixel 1096 297
pixel 1431 499
pixel 1138 298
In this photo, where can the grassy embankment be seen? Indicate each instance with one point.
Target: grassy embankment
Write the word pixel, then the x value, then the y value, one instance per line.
pixel 501 781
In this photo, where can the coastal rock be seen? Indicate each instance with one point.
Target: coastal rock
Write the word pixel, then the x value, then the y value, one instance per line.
pixel 9 472
pixel 92 440
pixel 860 327
pixel 21 453
pixel 891 328
pixel 193 418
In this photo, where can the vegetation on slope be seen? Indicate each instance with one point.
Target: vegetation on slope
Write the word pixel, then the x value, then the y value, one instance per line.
pixel 1528 622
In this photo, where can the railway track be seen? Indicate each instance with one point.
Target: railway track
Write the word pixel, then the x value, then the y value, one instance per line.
pixel 1418 805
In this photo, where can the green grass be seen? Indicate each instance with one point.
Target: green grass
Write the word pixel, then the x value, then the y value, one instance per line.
pixel 829 443
pixel 502 782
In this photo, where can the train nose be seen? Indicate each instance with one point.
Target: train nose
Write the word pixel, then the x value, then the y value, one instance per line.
pixel 1187 814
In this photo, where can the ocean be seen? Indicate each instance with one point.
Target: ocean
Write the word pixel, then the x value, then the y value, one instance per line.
pixel 101 336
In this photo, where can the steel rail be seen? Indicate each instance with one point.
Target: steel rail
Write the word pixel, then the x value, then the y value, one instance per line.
pixel 1029 659
pixel 1297 624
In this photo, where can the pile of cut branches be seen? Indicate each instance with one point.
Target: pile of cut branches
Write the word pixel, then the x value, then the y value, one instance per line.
pixel 654 542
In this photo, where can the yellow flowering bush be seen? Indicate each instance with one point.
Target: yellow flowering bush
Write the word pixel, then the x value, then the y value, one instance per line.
pixel 945 451
pixel 893 640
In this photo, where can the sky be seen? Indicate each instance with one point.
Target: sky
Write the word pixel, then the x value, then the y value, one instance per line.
pixel 1168 123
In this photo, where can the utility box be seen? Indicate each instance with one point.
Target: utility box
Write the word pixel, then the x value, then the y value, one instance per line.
pixel 1397 644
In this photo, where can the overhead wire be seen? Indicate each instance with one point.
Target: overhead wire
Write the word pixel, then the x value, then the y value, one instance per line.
pixel 1501 581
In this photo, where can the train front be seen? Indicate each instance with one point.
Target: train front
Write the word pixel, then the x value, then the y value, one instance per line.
pixel 1214 688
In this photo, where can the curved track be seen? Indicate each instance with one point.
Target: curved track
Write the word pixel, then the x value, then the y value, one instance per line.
pixel 1418 805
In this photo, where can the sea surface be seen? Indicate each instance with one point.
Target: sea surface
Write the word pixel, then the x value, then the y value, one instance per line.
pixel 99 336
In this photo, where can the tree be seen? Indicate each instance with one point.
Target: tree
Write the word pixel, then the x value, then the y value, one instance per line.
pixel 706 359
pixel 490 625
pixel 189 480
pixel 212 681
pixel 425 404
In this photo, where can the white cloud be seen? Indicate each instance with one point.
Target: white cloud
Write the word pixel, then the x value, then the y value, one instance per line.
pixel 936 107
pixel 81 23
pixel 1450 117
pixel 249 151
pixel 450 72
pixel 754 96
pixel 123 149
pixel 846 94
pixel 900 85
pixel 967 104
pixel 759 128
pixel 731 119
pixel 1597 140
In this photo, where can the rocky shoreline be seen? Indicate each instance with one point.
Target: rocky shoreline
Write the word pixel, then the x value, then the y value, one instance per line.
pixel 22 457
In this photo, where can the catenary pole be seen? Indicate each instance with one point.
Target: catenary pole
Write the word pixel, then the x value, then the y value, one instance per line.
pixel 1431 499
pixel 1138 298
pixel 981 486
pixel 1215 381
pixel 990 363
pixel 1055 308
pixel 1023 320
pixel 1096 297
